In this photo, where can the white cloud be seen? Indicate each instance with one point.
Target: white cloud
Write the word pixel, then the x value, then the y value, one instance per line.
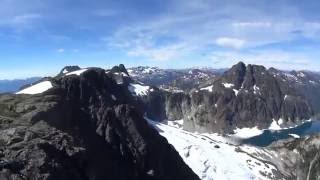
pixel 230 42
pixel 252 24
pixel 21 21
pixel 269 58
pixel 60 50
pixel 158 54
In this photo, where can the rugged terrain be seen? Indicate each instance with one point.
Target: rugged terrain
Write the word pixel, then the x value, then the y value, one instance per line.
pixel 243 96
pixel 84 127
pixel 94 124
pixel 175 80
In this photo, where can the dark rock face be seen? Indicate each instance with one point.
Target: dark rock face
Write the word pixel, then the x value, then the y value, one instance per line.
pixel 300 158
pixel 69 69
pixel 85 128
pixel 306 83
pixel 244 96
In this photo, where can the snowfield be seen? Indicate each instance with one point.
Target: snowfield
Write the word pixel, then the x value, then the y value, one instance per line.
pixel 227 85
pixel 209 88
pixel 247 132
pixel 212 157
pixel 139 90
pixel 78 72
pixel 37 88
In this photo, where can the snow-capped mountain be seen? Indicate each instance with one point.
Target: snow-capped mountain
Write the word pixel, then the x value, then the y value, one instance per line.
pixel 172 79
pixel 217 109
pixel 84 124
pixel 243 97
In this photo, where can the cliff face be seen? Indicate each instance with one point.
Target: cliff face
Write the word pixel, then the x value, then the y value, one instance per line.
pixel 86 127
pixel 300 158
pixel 244 96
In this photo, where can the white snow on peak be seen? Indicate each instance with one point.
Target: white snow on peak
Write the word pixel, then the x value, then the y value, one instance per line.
pixel 148 70
pixel 65 71
pixel 247 132
pixel 291 77
pixel 37 88
pixel 78 72
pixel 210 156
pixel 122 74
pixel 301 74
pixel 138 89
pixel 236 92
pixel 209 88
pixel 227 85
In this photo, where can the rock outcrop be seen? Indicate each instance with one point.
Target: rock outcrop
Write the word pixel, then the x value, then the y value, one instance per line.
pixel 244 96
pixel 300 158
pixel 84 128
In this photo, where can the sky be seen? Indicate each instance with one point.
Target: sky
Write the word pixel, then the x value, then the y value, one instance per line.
pixel 40 37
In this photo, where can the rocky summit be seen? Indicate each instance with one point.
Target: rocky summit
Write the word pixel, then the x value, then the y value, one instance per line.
pixel 85 127
pixel 243 96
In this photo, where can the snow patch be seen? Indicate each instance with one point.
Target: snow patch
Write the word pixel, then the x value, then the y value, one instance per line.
pixel 247 132
pixel 294 135
pixel 138 89
pixel 236 92
pixel 275 125
pixel 37 88
pixel 227 85
pixel 211 157
pixel 176 123
pixel 209 88
pixel 301 74
pixel 256 89
pixel 78 72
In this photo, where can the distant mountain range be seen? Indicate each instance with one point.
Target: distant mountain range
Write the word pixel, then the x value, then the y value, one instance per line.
pixel 7 86
pixel 147 123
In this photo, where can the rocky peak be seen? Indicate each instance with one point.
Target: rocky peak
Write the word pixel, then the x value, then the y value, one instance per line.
pixel 120 75
pixel 120 69
pixel 90 127
pixel 236 74
pixel 244 96
pixel 68 69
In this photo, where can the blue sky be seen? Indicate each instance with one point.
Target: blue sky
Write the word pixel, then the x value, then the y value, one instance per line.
pixel 39 37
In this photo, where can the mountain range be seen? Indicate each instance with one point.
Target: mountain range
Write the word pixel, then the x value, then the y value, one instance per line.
pixel 151 123
pixel 16 84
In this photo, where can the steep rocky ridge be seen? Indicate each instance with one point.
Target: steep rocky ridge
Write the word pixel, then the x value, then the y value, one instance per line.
pixel 86 127
pixel 244 96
